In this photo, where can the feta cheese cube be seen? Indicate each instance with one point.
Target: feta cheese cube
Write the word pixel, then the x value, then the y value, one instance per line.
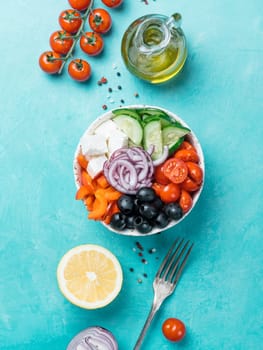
pixel 117 140
pixel 106 128
pixel 93 145
pixel 95 165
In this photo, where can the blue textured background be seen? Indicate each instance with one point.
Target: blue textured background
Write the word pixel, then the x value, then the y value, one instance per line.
pixel 219 94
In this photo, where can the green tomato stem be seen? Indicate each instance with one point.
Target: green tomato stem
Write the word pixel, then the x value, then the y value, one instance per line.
pixel 76 36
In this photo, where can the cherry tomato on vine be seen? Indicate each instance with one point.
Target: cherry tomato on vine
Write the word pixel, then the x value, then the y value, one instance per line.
pixel 175 170
pixel 79 69
pixel 50 62
pixel 170 193
pixel 80 5
pixel 61 42
pixel 185 201
pixel 100 20
pixel 91 43
pixel 112 3
pixel 159 175
pixel 70 21
pixel 187 155
pixel 173 329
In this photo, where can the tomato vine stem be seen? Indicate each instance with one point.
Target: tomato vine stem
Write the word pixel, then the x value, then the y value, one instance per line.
pixel 76 36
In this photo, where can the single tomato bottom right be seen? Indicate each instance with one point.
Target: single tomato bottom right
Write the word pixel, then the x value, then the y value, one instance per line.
pixel 173 329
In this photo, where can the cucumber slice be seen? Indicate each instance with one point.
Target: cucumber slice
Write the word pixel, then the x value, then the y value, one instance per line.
pixel 129 112
pixel 131 127
pixel 153 136
pixel 149 118
pixel 173 136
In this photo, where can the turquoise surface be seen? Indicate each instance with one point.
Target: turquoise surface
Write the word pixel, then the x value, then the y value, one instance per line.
pixel 219 94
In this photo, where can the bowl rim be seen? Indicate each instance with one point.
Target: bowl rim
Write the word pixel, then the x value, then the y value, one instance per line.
pixel 191 136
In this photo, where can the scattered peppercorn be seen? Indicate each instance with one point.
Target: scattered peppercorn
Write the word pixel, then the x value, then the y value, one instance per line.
pixel 122 101
pixel 119 87
pixel 118 74
pixel 138 244
pixel 145 275
pixel 110 89
pixel 136 94
pixel 104 107
pixel 131 269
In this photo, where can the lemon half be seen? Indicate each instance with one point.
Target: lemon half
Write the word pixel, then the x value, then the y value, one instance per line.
pixel 89 276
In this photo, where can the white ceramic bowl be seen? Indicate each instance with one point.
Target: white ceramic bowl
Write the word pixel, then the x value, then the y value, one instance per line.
pixel 190 137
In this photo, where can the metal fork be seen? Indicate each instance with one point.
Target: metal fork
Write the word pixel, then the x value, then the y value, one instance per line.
pixel 166 280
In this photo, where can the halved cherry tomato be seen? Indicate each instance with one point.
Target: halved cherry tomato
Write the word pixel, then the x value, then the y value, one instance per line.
pixel 187 155
pixel 185 201
pixel 187 145
pixel 190 185
pixel 79 70
pixel 170 193
pixel 61 42
pixel 175 170
pixel 195 172
pixel 159 175
pixel 100 20
pixel 112 3
pixel 173 329
pixel 91 43
pixel 80 5
pixel 70 21
pixel 50 62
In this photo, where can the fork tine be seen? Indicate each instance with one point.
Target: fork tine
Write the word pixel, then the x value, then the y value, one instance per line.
pixel 167 257
pixel 172 259
pixel 179 265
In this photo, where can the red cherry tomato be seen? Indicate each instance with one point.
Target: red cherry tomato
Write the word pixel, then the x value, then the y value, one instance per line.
pixel 175 170
pixel 91 43
pixel 170 193
pixel 61 42
pixel 112 3
pixel 190 185
pixel 80 5
pixel 70 21
pixel 187 145
pixel 185 201
pixel 187 155
pixel 195 172
pixel 100 21
pixel 159 175
pixel 173 329
pixel 79 70
pixel 50 62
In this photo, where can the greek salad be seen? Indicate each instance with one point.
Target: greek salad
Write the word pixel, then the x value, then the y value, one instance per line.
pixel 138 170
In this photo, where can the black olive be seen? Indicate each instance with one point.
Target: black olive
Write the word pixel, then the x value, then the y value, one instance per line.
pixel 126 204
pixel 142 225
pixel 117 221
pixel 161 220
pixel 130 221
pixel 173 211
pixel 146 194
pixel 158 203
pixel 148 210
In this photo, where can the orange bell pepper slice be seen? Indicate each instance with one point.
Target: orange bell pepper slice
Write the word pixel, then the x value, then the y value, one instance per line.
pixel 99 207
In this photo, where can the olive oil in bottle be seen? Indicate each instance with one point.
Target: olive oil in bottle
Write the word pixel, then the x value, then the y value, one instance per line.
pixel 154 48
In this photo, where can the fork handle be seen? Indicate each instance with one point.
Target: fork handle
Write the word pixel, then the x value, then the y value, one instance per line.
pixel 155 307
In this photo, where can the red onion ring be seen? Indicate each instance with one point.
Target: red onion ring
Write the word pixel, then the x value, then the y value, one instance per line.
pixel 129 169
